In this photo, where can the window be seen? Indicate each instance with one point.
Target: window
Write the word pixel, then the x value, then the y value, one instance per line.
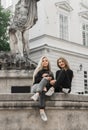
pixel 85 34
pixel 85 82
pixel 63 26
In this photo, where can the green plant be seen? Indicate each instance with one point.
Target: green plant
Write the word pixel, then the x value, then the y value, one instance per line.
pixel 4 23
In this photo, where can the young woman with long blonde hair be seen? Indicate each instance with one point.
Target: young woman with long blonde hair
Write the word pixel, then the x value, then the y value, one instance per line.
pixel 41 83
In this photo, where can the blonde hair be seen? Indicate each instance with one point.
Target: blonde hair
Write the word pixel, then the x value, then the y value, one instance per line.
pixel 65 61
pixel 40 67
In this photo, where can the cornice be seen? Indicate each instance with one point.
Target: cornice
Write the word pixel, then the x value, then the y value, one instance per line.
pixel 64 5
pixel 50 48
pixel 57 39
pixel 84 14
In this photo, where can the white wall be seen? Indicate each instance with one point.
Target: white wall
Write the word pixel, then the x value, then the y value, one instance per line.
pixel 39 28
pixel 48 20
pixel 75 22
pixel 6 3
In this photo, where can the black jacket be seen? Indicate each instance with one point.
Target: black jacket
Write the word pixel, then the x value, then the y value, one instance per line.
pixel 38 76
pixel 63 79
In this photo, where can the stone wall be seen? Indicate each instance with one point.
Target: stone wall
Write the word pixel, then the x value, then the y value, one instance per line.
pixel 9 78
pixel 64 111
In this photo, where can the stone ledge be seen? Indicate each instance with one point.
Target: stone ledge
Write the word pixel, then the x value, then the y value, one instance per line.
pixel 54 97
pixel 16 74
pixel 64 112
pixel 60 101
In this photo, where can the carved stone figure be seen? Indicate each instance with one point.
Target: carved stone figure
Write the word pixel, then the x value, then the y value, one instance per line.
pixel 10 62
pixel 25 17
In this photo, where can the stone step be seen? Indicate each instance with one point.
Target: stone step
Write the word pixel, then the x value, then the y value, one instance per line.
pixel 54 97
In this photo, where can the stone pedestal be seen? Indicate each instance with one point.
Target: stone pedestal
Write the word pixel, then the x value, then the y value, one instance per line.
pixel 10 78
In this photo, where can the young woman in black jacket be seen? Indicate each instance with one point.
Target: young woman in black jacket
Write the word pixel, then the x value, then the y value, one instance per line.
pixel 41 83
pixel 63 78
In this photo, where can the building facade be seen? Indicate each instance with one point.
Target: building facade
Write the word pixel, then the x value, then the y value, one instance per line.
pixel 62 30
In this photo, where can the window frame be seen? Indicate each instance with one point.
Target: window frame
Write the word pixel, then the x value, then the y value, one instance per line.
pixel 85 33
pixel 66 14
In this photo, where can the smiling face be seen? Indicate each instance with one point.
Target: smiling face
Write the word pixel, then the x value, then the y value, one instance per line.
pixel 62 63
pixel 45 63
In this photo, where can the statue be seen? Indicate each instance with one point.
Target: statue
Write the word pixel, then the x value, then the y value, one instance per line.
pixel 25 17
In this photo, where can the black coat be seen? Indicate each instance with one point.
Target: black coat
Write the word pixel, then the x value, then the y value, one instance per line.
pixel 39 77
pixel 63 79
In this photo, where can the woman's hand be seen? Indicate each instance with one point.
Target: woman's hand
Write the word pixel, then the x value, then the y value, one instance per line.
pixel 44 75
pixel 52 82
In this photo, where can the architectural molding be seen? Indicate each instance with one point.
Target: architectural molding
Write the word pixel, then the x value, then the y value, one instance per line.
pixel 50 48
pixel 84 14
pixel 64 5
pixel 57 39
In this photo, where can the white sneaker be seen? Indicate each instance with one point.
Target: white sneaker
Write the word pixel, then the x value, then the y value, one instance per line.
pixel 50 91
pixel 65 90
pixel 35 97
pixel 43 116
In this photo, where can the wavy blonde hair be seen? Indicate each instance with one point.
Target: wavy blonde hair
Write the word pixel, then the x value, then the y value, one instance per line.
pixel 40 67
